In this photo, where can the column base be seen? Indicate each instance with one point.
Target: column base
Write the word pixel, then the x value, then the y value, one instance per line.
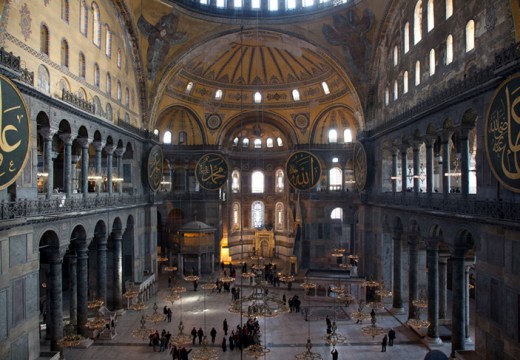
pixel 433 341
pixel 397 311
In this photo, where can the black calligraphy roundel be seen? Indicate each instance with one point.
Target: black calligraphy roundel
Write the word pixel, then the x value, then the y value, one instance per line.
pixel 15 133
pixel 211 171
pixel 359 161
pixel 502 134
pixel 303 170
pixel 155 167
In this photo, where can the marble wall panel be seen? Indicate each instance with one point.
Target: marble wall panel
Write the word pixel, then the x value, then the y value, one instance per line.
pixel 17 250
pixel 3 315
pixel 20 348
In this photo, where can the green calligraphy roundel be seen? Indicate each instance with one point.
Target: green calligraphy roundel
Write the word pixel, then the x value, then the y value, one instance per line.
pixel 303 170
pixel 155 167
pixel 502 134
pixel 15 133
pixel 211 171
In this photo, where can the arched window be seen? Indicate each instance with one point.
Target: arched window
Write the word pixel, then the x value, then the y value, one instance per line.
pixel 108 112
pixel 44 39
pixel 108 41
pixel 65 10
pixel 269 142
pixel 83 18
pixel 291 4
pixel 183 138
pixel 119 58
pixel 235 181
pixel 218 94
pixel 470 35
pixel 119 91
pixel 221 3
pixel 279 181
pixel 96 75
pixel 335 179
pixel 109 85
pixel 431 15
pixel 337 214
pixel 167 137
pixel 273 5
pixel 417 22
pixel 236 216
pixel 279 141
pixel 245 142
pixel 296 95
pixel 255 4
pixel 325 88
pixel 64 53
pixel 257 182
pixel 333 136
pixel 257 143
pixel 44 81
pixel 127 97
pixel 237 4
pixel 96 25
pixel 406 37
pixel 257 97
pixel 387 96
pixel 405 82
pixel 396 55
pixel 257 214
pixel 235 141
pixel 449 49
pixel 347 136
pixel 396 90
pixel 189 87
pixel 82 66
pixel 432 62
pixel 449 8
pixel 280 223
pixel 417 72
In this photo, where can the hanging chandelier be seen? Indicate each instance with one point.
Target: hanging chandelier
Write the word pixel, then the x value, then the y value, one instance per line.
pixel 70 339
pixel 256 351
pixel 95 304
pixel 308 354
pixel 170 268
pixel 138 306
pixel 155 317
pixel 205 353
pixel 142 332
pixel 191 278
pixel 417 322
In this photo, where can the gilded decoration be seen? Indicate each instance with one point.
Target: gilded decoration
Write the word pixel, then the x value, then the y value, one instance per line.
pixel 25 21
pixel 502 134
pixel 211 171
pixel 359 162
pixel 303 170
pixel 155 167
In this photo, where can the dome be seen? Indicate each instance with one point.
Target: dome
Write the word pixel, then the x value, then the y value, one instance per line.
pixel 196 227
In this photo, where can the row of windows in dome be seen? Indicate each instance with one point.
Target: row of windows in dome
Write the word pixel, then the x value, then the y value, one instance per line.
pixel 257 96
pixel 470 45
pixel 272 5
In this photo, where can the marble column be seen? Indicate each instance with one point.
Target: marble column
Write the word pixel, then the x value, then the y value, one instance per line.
pixel 416 163
pixel 82 252
pixel 48 163
pixel 464 163
pixel 119 165
pixel 397 290
pixel 54 282
pixel 186 178
pixel 109 149
pixel 443 274
pixel 101 242
pixel 404 168
pixel 67 164
pixel 172 177
pixel 445 167
pixel 394 171
pixel 432 257
pixel 458 315
pixel 199 265
pixel 117 238
pixel 84 165
pixel 73 284
pixel 466 303
pixel 98 146
pixel 413 287
pixel 429 167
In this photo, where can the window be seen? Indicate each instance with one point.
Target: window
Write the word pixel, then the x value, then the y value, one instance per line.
pixel 449 8
pixel 417 72
pixel 109 85
pixel 257 143
pixel 431 15
pixel 221 3
pixel 257 212
pixel 449 49
pixel 325 88
pixel 257 182
pixel 396 90
pixel 108 41
pixel 396 56
pixel 273 5
pixel 387 97
pixel 235 141
pixel 417 22
pixel 333 136
pixel 81 65
pixel 65 10
pixel 296 95
pixel 96 26
pixel 405 82
pixel 236 216
pixel 167 137
pixel 269 142
pixel 189 87
pixel 337 214
pixel 235 181
pixel 406 37
pixel 96 75
pixel 218 94
pixel 255 4
pixel 279 141
pixel 119 91
pixel 127 97
pixel 335 160
pixel 156 132
pixel 183 138
pixel 245 142
pixel 291 4
pixel 119 58
pixel 83 18
pixel 306 3
pixel 280 223
pixel 237 4
pixel 204 2
pixel 432 62
pixel 335 179
pixel 257 97
pixel 347 136
pixel 470 35
pixel 44 39
pixel 44 81
pixel 279 185
pixel 64 53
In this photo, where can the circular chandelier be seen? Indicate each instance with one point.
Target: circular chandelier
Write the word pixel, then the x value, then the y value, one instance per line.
pixel 420 303
pixel 95 304
pixel 345 266
pixel 172 297
pixel 383 293
pixel 353 257
pixel 205 353
pixel 142 332
pixel 97 323
pixel 376 305
pixel 227 279
pixel 161 258
pixel 308 354
pixel 360 316
pixel 345 296
pixel 256 351
pixel 191 278
pixel 178 289
pixel 181 339
pixel 373 330
pixel 418 323
pixel 306 285
pixel 139 306
pixel 170 268
pixel 155 317
pixel 209 286
pixel 248 275
pixel 71 339
pixel 286 278
pixel 370 283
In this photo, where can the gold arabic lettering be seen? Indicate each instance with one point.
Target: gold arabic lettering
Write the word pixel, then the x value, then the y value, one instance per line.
pixel 4 144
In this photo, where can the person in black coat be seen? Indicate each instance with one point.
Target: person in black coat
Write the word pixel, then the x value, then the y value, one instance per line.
pixel 391 337
pixel 213 334
pixel 225 326
pixel 224 345
pixel 334 353
pixel 184 353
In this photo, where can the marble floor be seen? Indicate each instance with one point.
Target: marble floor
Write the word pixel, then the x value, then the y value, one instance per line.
pixel 285 335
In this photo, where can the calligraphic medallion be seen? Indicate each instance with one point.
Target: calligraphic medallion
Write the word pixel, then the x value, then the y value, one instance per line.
pixel 15 132
pixel 211 171
pixel 502 134
pixel 155 167
pixel 359 162
pixel 303 170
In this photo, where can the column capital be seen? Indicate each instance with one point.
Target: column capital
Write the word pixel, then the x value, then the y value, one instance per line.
pixel 47 133
pixel 432 243
pixel 83 142
pixel 416 144
pixel 98 145
pixel 110 148
pixel 117 234
pixel 429 140
pixel 66 138
pixel 119 152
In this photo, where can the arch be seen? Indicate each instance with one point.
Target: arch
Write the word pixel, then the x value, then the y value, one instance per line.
pixel 44 80
pixel 334 117
pixel 44 39
pixel 64 53
pixel 179 119
pixel 417 22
